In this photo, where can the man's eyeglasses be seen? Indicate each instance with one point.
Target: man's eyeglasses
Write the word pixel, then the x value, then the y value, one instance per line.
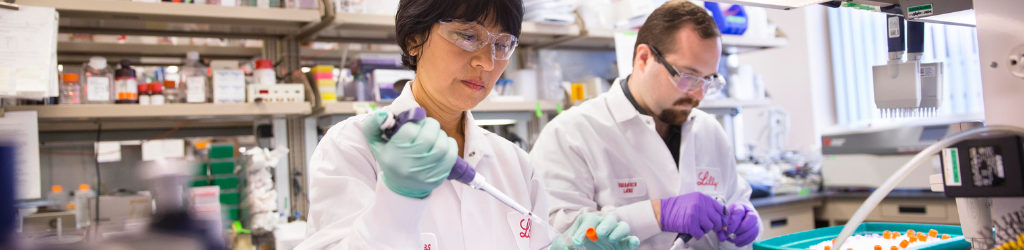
pixel 688 83
pixel 472 37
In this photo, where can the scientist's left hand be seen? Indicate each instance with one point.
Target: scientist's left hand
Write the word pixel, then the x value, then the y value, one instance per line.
pixel 743 223
pixel 611 234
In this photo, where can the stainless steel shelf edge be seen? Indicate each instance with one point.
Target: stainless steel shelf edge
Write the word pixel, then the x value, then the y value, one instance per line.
pixel 129 111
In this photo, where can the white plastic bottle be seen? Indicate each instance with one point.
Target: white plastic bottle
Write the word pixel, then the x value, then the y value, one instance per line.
pixel 98 85
pixel 83 212
pixel 193 78
pixel 57 197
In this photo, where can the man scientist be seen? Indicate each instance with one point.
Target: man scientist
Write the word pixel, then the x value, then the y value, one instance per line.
pixel 644 153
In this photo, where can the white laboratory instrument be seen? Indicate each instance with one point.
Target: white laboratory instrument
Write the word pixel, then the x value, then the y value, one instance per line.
pixel 864 158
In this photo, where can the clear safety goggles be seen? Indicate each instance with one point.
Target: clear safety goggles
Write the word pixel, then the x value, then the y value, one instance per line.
pixel 472 37
pixel 688 83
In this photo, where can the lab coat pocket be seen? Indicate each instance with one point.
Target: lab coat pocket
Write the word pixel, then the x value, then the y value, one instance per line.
pixel 630 188
pixel 429 241
pixel 709 181
pixel 520 226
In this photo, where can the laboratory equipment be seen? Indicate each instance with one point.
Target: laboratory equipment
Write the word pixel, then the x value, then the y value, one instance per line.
pixel 682 240
pixel 863 158
pixel 156 94
pixel 869 235
pixel 70 90
pixel 193 74
pixel 911 88
pixel 732 21
pixel 83 211
pixel 57 197
pixel 292 92
pixel 171 92
pixel 99 83
pixel 125 84
pixel 323 76
pixel 144 94
pixel 461 172
pixel 264 72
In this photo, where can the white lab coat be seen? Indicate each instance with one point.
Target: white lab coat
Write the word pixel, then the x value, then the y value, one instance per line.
pixel 351 209
pixel 605 157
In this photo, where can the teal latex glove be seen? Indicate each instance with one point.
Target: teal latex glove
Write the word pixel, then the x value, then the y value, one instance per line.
pixel 612 235
pixel 417 159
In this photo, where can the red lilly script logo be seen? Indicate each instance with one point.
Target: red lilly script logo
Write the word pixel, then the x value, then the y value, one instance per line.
pixel 526 228
pixel 705 179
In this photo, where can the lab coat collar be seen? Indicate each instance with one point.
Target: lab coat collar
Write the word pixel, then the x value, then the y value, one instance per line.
pixel 622 109
pixel 475 143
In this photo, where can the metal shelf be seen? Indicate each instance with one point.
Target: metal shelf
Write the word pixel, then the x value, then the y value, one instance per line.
pixel 86 48
pixel 348 108
pixel 140 18
pixel 170 111
pixel 370 28
pixel 733 103
pixel 604 39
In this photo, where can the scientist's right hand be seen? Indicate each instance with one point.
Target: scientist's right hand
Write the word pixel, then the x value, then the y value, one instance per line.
pixel 417 158
pixel 611 234
pixel 695 214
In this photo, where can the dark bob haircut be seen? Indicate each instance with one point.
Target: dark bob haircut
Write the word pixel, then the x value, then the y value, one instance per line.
pixel 415 18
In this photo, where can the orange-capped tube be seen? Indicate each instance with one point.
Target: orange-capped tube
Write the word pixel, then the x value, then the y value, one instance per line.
pixel 878 247
pixel 904 244
pixel 911 232
pixel 922 237
pixel 894 248
pixel 895 235
pixel 887 234
pixel 828 247
pixel 592 234
pixel 912 238
pixel 933 233
pixel 945 236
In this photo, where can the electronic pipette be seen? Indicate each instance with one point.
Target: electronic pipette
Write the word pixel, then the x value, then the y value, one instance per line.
pixel 461 172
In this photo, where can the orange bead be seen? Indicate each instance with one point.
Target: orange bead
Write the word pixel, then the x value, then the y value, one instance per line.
pixel 945 236
pixel 828 247
pixel 904 244
pixel 592 234
pixel 887 234
pixel 877 247
pixel 933 233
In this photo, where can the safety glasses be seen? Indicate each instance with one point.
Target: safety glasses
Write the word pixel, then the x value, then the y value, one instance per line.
pixel 472 37
pixel 688 83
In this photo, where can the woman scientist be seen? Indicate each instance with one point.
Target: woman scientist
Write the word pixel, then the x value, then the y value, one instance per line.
pixel 368 193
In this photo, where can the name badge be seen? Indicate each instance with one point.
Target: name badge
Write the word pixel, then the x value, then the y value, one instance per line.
pixel 429 241
pixel 630 188
pixel 520 225
pixel 708 181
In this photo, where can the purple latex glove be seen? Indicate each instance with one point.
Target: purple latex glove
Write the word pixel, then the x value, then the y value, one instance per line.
pixel 743 223
pixel 695 214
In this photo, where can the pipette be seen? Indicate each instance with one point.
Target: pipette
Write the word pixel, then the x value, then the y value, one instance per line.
pixel 461 172
pixel 683 240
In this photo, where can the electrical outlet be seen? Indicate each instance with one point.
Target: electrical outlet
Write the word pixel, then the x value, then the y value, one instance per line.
pixel 1015 62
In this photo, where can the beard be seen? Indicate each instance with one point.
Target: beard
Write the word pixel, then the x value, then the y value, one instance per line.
pixel 678 116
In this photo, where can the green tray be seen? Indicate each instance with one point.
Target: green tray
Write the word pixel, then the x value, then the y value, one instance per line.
pixel 803 240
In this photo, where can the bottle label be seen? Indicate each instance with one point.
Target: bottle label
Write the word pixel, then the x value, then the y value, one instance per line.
pixel 195 89
pixel 97 88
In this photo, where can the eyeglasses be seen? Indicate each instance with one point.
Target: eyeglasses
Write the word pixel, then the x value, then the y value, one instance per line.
pixel 689 83
pixel 472 37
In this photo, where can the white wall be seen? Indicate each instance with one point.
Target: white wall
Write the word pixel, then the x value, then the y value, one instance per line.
pixel 798 77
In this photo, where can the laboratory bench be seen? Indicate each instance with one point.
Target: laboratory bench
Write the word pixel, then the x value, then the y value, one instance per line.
pixel 786 214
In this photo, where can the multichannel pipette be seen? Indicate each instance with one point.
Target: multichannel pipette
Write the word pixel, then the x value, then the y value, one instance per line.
pixel 683 240
pixel 461 172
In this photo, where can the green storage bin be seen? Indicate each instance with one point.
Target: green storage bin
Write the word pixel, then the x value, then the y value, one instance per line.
pixel 200 182
pixel 226 182
pixel 804 240
pixel 229 198
pixel 202 169
pixel 222 167
pixel 230 214
pixel 222 151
